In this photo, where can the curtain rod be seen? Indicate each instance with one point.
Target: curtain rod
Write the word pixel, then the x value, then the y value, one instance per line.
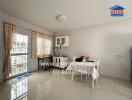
pixel 27 29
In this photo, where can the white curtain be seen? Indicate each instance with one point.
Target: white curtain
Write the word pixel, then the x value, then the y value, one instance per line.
pixel 44 45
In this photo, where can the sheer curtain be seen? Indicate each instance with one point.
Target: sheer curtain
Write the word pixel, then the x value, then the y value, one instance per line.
pixel 9 31
pixel 41 45
pixel 44 45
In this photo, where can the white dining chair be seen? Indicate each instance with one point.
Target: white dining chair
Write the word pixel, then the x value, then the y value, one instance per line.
pixel 97 63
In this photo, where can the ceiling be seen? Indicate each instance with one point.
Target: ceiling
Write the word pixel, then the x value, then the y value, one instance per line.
pixel 80 13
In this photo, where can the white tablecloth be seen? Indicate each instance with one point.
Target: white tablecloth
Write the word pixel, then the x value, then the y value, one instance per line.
pixel 84 68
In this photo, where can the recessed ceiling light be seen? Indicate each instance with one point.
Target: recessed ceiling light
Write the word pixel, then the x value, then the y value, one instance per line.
pixel 61 18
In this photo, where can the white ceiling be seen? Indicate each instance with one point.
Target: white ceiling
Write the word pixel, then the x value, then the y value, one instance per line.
pixel 80 13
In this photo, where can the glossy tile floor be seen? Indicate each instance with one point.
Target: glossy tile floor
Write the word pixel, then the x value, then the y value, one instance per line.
pixel 47 86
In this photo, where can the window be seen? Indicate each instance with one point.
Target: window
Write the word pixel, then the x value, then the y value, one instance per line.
pixel 44 46
pixel 19 54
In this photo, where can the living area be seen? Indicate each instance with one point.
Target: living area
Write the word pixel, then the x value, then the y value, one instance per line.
pixel 65 50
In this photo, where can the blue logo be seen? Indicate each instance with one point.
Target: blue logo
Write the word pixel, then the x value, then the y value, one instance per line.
pixel 117 11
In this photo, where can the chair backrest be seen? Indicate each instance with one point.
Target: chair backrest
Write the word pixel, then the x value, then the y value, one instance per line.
pixel 97 64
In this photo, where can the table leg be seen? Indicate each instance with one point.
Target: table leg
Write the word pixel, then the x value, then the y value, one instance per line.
pixel 92 82
pixel 81 76
pixel 96 80
pixel 38 64
pixel 72 76
pixel 86 76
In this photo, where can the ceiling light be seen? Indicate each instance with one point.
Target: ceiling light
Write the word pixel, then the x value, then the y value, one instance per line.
pixel 61 18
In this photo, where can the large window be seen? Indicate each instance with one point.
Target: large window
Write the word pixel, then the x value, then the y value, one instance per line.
pixel 44 46
pixel 19 54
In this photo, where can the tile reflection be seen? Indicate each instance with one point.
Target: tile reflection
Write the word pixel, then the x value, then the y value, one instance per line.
pixel 24 97
pixel 19 89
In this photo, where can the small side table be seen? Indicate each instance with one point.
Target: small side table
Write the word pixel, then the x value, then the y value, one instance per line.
pixel 44 63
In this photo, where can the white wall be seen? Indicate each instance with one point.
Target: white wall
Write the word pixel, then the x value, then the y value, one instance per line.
pixel 22 29
pixel 111 42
